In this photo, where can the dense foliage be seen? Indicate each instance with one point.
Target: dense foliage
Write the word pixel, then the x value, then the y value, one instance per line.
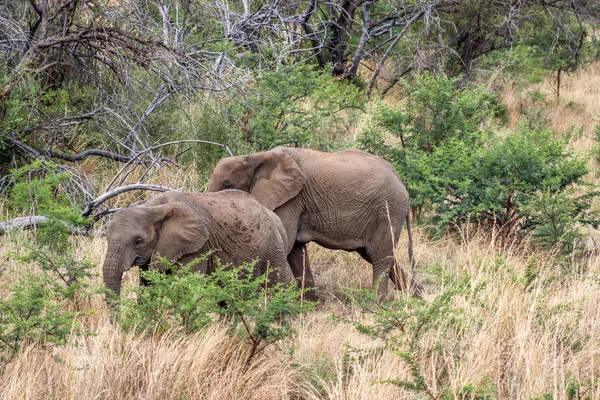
pixel 301 106
pixel 45 305
pixel 33 315
pixel 124 76
pixel 459 169
pixel 252 309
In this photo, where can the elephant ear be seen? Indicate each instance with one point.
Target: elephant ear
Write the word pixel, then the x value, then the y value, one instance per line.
pixel 277 179
pixel 181 231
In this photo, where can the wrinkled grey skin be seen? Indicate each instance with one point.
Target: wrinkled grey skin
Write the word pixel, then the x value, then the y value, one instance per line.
pixel 348 200
pixel 183 226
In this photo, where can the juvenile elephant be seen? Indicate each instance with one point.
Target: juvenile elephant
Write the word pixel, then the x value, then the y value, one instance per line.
pixel 348 200
pixel 182 226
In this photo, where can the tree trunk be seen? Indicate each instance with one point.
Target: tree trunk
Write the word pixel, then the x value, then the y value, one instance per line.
pixel 558 82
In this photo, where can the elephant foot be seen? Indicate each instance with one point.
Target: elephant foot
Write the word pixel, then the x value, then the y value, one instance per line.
pixel 311 295
pixel 300 266
pixel 417 290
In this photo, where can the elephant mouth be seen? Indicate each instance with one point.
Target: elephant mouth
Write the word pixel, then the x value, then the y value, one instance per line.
pixel 141 261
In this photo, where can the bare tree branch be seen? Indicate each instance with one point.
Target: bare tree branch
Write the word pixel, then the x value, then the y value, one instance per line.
pixel 34 221
pixel 86 153
pixel 122 189
pixel 154 104
pixel 364 38
pixel 48 154
pixel 65 122
pixel 145 152
pixel 312 35
pixel 387 53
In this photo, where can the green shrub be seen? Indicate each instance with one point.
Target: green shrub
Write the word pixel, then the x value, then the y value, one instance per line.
pixel 251 308
pixel 35 311
pixel 510 173
pixel 40 188
pixel 65 274
pixel 554 217
pixel 300 106
pixel 457 172
pixel 57 280
pixel 33 314
pixel 438 126
pixel 44 188
pixel 434 111
pixel 400 324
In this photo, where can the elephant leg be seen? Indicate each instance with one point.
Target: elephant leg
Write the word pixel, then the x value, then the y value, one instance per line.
pixel 382 268
pixel 380 253
pixel 398 277
pixel 298 260
pixel 400 280
pixel 396 274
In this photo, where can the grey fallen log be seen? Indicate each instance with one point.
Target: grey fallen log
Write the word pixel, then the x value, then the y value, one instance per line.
pixel 35 220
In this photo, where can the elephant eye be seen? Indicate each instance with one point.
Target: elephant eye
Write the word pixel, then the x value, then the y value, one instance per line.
pixel 227 185
pixel 138 240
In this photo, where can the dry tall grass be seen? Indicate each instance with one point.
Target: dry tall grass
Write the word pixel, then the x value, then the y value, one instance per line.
pixel 117 365
pixel 577 107
pixel 522 341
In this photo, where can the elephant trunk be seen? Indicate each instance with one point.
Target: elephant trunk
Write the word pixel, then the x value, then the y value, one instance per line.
pixel 112 271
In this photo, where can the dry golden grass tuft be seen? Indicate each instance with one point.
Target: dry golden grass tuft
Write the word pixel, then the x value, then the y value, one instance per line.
pixel 117 365
pixel 519 341
pixel 577 107
pixel 522 341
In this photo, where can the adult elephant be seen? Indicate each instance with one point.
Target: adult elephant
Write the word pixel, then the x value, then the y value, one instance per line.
pixel 348 200
pixel 183 226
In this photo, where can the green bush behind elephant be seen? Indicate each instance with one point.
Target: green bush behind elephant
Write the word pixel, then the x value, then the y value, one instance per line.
pixel 183 226
pixel 348 200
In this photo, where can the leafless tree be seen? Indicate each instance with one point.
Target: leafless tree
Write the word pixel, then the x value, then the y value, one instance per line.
pixel 142 56
pixel 134 66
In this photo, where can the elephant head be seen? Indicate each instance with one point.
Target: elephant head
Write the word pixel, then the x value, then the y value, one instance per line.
pixel 273 177
pixel 138 235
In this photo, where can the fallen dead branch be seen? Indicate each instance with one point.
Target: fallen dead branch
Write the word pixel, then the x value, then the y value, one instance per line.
pixel 36 220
